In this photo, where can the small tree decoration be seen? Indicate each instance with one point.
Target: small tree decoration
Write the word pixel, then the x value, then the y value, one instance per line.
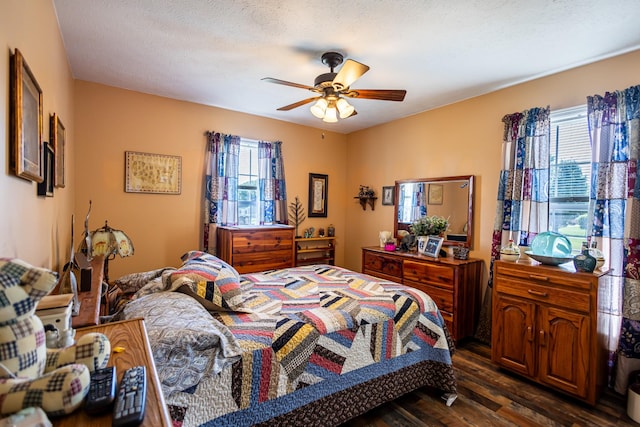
pixel 296 214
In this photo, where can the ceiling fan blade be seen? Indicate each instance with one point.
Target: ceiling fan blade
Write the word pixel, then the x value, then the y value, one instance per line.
pixel 298 104
pixel 349 73
pixel 379 94
pixel 286 83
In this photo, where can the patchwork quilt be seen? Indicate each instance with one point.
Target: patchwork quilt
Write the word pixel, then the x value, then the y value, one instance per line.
pixel 311 345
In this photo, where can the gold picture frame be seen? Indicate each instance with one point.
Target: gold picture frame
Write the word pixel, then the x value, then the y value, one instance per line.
pixel 57 134
pixel 435 194
pixel 152 173
pixel 26 120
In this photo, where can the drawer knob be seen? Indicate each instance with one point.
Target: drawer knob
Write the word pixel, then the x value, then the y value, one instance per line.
pixel 537 293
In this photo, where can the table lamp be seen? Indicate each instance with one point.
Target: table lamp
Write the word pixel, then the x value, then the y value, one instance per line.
pixel 108 242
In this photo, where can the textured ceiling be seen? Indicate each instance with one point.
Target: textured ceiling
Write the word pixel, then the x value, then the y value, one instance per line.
pixel 215 52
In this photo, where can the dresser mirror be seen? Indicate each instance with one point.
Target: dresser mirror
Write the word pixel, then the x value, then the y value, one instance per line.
pixel 449 197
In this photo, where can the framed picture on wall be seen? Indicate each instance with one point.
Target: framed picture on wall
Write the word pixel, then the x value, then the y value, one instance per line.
pixel 388 195
pixel 26 120
pixel 318 185
pixel 152 173
pixel 45 188
pixel 435 194
pixel 58 135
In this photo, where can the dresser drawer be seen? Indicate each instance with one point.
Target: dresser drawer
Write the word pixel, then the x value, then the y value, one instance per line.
pixel 258 261
pixel 442 297
pixel 382 264
pixel 429 274
pixel 541 275
pixel 565 298
pixel 265 241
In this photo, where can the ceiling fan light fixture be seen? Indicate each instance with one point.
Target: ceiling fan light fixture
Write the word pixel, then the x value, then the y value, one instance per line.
pixel 331 115
pixel 318 109
pixel 344 108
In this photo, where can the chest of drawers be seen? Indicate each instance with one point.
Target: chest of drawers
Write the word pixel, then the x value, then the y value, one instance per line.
pixel 454 285
pixel 252 249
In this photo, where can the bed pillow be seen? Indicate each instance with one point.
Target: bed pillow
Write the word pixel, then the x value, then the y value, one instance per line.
pixel 208 279
pixel 187 342
pixel 133 282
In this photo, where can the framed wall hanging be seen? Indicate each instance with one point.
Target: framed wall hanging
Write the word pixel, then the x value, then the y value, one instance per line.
pixel 152 173
pixel 318 185
pixel 26 120
pixel 45 188
pixel 435 194
pixel 58 136
pixel 388 196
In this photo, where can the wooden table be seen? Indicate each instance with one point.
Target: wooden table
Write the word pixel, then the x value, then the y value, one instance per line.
pixel 132 336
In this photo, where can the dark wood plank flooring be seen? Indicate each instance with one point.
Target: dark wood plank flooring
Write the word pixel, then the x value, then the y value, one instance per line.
pixel 488 396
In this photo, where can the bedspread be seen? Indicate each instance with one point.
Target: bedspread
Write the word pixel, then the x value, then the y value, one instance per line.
pixel 309 334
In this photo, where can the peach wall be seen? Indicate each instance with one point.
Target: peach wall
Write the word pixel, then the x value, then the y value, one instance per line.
pixel 110 121
pixel 36 229
pixel 462 139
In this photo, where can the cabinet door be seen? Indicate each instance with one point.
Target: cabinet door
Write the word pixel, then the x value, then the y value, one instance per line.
pixel 564 350
pixel 513 342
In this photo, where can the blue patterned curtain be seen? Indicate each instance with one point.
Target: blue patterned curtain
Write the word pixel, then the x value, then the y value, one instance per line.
pixel 273 192
pixel 614 209
pixel 221 185
pixel 522 210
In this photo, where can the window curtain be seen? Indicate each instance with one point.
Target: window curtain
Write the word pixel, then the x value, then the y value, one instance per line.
pixel 221 185
pixel 271 184
pixel 614 209
pixel 522 210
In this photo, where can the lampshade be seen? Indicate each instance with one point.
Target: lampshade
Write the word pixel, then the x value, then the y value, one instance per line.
pixel 107 241
pixel 344 108
pixel 330 115
pixel 319 108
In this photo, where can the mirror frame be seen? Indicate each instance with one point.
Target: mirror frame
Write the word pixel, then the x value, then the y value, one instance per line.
pixel 396 226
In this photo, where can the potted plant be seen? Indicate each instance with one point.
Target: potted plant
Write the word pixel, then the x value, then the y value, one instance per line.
pixel 429 226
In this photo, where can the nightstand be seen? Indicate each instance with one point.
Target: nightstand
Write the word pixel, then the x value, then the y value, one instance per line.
pixel 132 336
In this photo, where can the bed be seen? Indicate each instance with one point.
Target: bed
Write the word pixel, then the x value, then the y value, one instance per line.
pixel 313 345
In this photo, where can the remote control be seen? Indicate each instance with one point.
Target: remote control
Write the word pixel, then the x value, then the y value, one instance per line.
pixel 102 390
pixel 130 400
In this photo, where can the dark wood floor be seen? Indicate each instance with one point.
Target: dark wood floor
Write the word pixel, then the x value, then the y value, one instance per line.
pixel 488 396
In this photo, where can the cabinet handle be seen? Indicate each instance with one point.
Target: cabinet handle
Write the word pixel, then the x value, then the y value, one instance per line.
pixel 543 338
pixel 537 293
pixel 538 277
pixel 529 333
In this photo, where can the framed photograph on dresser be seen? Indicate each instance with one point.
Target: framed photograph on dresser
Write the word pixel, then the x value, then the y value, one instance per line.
pixel 432 246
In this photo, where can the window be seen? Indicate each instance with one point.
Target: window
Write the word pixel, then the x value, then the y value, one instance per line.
pixel 248 183
pixel 570 172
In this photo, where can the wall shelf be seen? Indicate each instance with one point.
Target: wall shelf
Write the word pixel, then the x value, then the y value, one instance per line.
pixel 364 200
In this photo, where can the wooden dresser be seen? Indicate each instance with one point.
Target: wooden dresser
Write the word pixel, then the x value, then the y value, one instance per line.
pixel 455 285
pixel 131 336
pixel 252 249
pixel 545 326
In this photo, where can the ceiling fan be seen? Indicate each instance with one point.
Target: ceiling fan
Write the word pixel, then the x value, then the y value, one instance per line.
pixel 332 88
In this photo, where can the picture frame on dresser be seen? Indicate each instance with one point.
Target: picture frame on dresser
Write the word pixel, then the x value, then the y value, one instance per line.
pixel 26 120
pixel 432 246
